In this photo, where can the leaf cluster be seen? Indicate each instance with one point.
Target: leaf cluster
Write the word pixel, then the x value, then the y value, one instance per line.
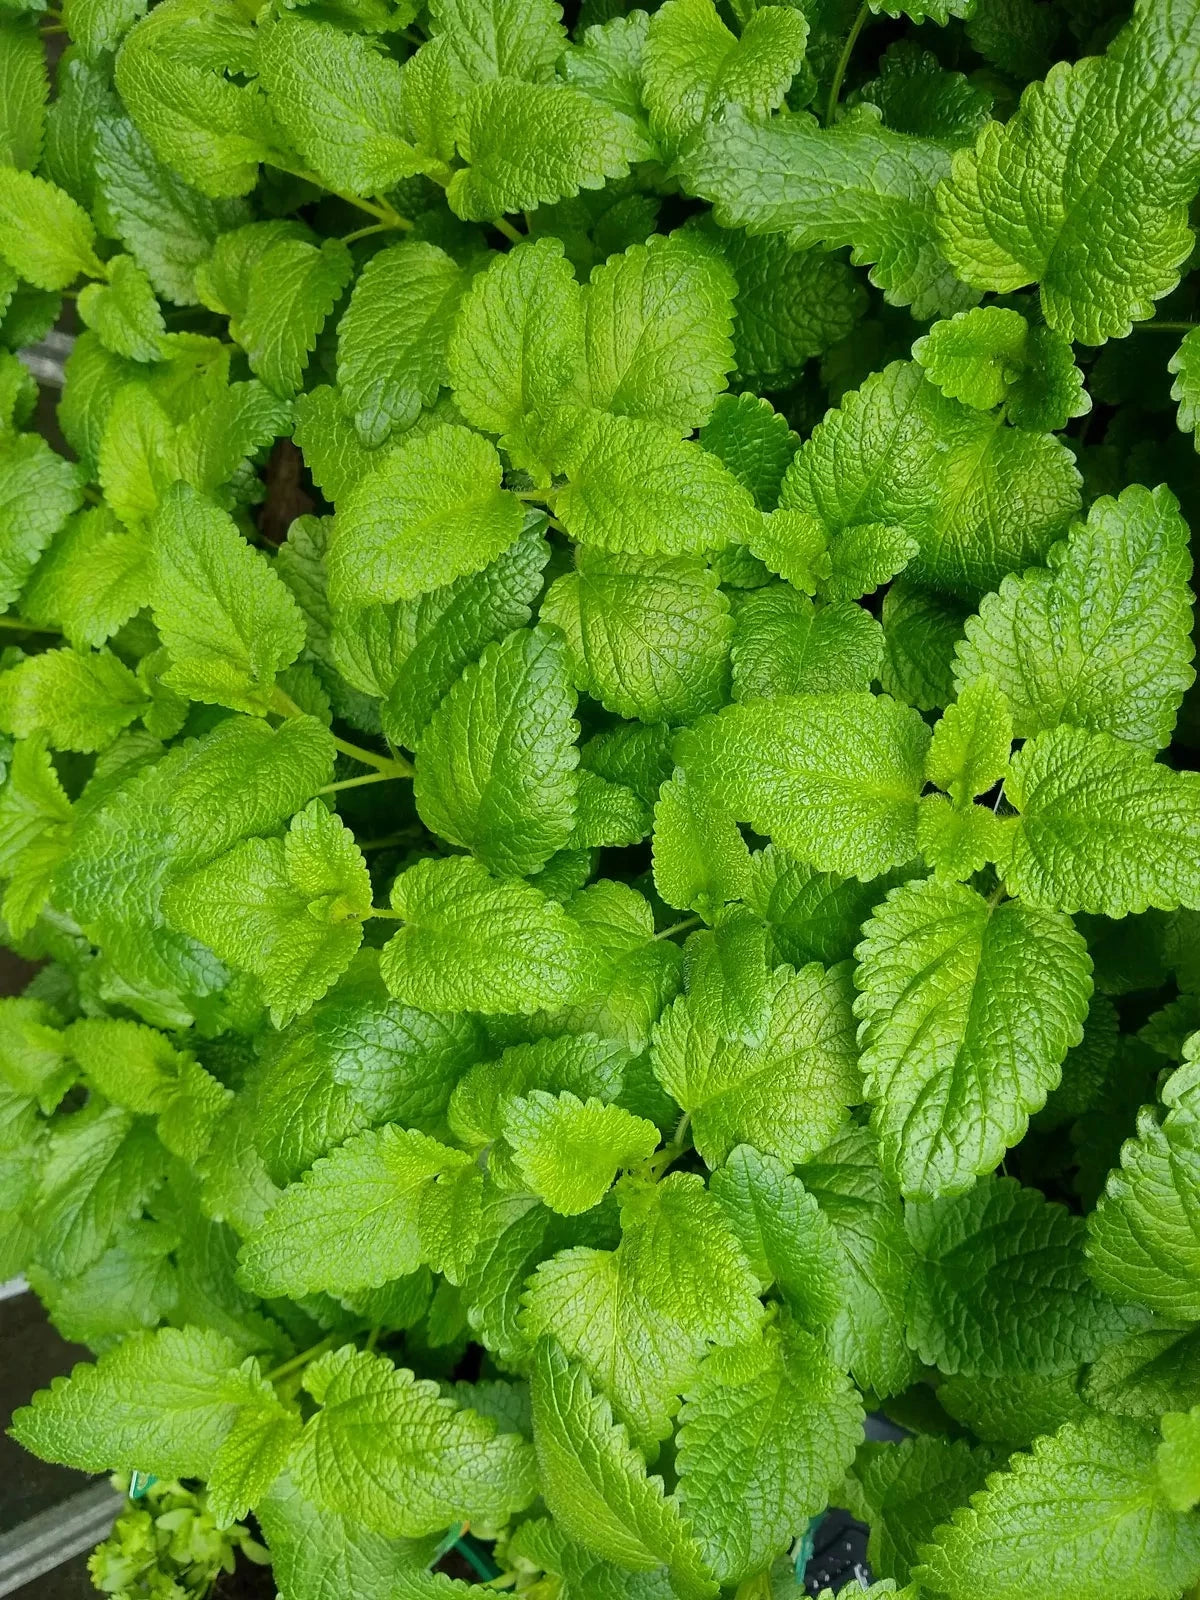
pixel 598 764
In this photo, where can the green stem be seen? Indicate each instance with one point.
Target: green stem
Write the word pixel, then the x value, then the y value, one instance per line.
pixel 447 1544
pixel 393 767
pixel 19 625
pixel 671 1152
pixel 382 911
pixel 1166 327
pixel 475 1559
pixel 303 1359
pixel 502 225
pixel 839 72
pixel 365 233
pixel 382 212
pixel 359 783
pixel 679 927
pixel 388 840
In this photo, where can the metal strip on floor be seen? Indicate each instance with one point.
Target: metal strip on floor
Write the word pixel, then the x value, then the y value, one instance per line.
pixel 45 1541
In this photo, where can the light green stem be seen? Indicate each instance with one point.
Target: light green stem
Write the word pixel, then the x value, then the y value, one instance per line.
pixel 839 72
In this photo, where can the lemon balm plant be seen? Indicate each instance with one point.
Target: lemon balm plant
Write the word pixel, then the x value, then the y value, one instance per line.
pixel 596 742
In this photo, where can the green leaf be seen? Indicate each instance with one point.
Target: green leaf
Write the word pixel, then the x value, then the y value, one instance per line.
pixel 124 312
pixel 606 815
pixel 496 772
pixel 636 755
pixel 524 950
pixel 633 485
pixel 321 1555
pixel 526 144
pixel 333 451
pixel 968 1010
pixel 83 96
pixel 517 345
pixel 138 1069
pixel 38 492
pixel 33 1052
pixel 787 1095
pixel 288 910
pixel 582 1065
pixel 1124 202
pixel 641 1318
pixel 915 95
pixel 857 184
pixel 33 803
pixel 647 636
pixel 431 510
pixel 160 1403
pixel 81 701
pixel 753 440
pixel 357 1219
pixel 903 1491
pixel 1001 1286
pixel 100 25
pixel 1079 1515
pixel 131 1287
pixel 339 102
pixel 241 778
pixel 451 625
pixel 170 74
pixel 784 645
pixel 251 1457
pixel 1014 1410
pixel 606 61
pixel 834 777
pixel 1102 828
pixel 958 841
pixel 1179 1459
pixel 1185 366
pixel 44 234
pixel 595 1482
pixel 567 1151
pixel 788 1240
pixel 390 1451
pixel 501 38
pixel 862 559
pixel 694 66
pixel 631 974
pixel 393 338
pixel 812 916
pixel 727 977
pixel 355 1059
pixel 1143 1244
pixel 277 287
pixel 658 321
pixel 228 622
pixel 766 1434
pixel 100 1167
pixel 921 629
pixel 23 93
pixel 1102 637
pixel 978 497
pixel 700 858
pixel 791 305
pixel 971 743
pixel 992 356
pixel 868 1334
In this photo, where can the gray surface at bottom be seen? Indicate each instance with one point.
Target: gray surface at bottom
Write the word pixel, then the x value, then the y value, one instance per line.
pixel 46 1540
